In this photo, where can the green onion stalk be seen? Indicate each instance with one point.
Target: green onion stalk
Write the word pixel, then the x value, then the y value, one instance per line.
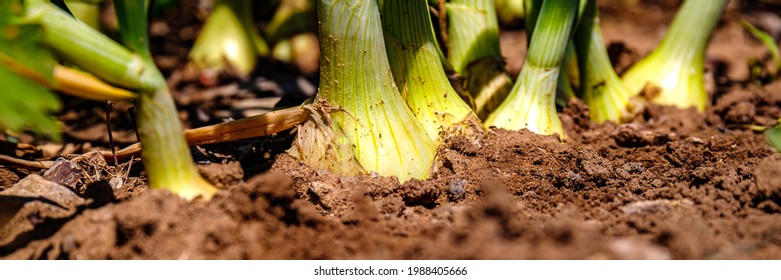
pixel 166 156
pixel 673 73
pixel 569 78
pixel 532 9
pixel 531 103
pixel 603 91
pixel 229 42
pixel 418 71
pixel 473 51
pixel 359 121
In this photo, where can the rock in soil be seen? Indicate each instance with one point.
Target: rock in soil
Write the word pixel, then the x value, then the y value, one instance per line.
pixel 31 204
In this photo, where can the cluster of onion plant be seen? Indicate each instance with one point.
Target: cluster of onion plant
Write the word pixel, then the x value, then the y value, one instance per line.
pixel 360 120
pixel 671 75
pixel 384 103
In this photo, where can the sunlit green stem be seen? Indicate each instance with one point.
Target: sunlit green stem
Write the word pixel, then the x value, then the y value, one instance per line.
pixel 531 103
pixel 166 155
pixel 569 78
pixel 601 88
pixel 532 8
pixel 417 69
pixel 673 73
pixel 85 47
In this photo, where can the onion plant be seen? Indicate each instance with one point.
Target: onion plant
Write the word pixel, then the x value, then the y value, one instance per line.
pixel 229 42
pixel 531 103
pixel 417 69
pixel 569 76
pixel 117 71
pixel 473 51
pixel 360 122
pixel 673 73
pixel 600 87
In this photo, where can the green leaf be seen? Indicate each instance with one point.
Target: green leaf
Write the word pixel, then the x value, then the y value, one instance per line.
pixel 27 105
pixel 21 51
pixel 774 136
pixel 7 10
pixel 25 67
pixel 133 26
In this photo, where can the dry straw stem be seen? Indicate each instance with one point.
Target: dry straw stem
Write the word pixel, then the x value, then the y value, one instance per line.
pixel 255 126
pixel 26 164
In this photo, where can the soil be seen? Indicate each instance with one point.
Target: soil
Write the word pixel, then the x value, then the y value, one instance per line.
pixel 672 184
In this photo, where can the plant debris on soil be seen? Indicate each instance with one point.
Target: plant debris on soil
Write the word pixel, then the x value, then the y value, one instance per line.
pixel 671 184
